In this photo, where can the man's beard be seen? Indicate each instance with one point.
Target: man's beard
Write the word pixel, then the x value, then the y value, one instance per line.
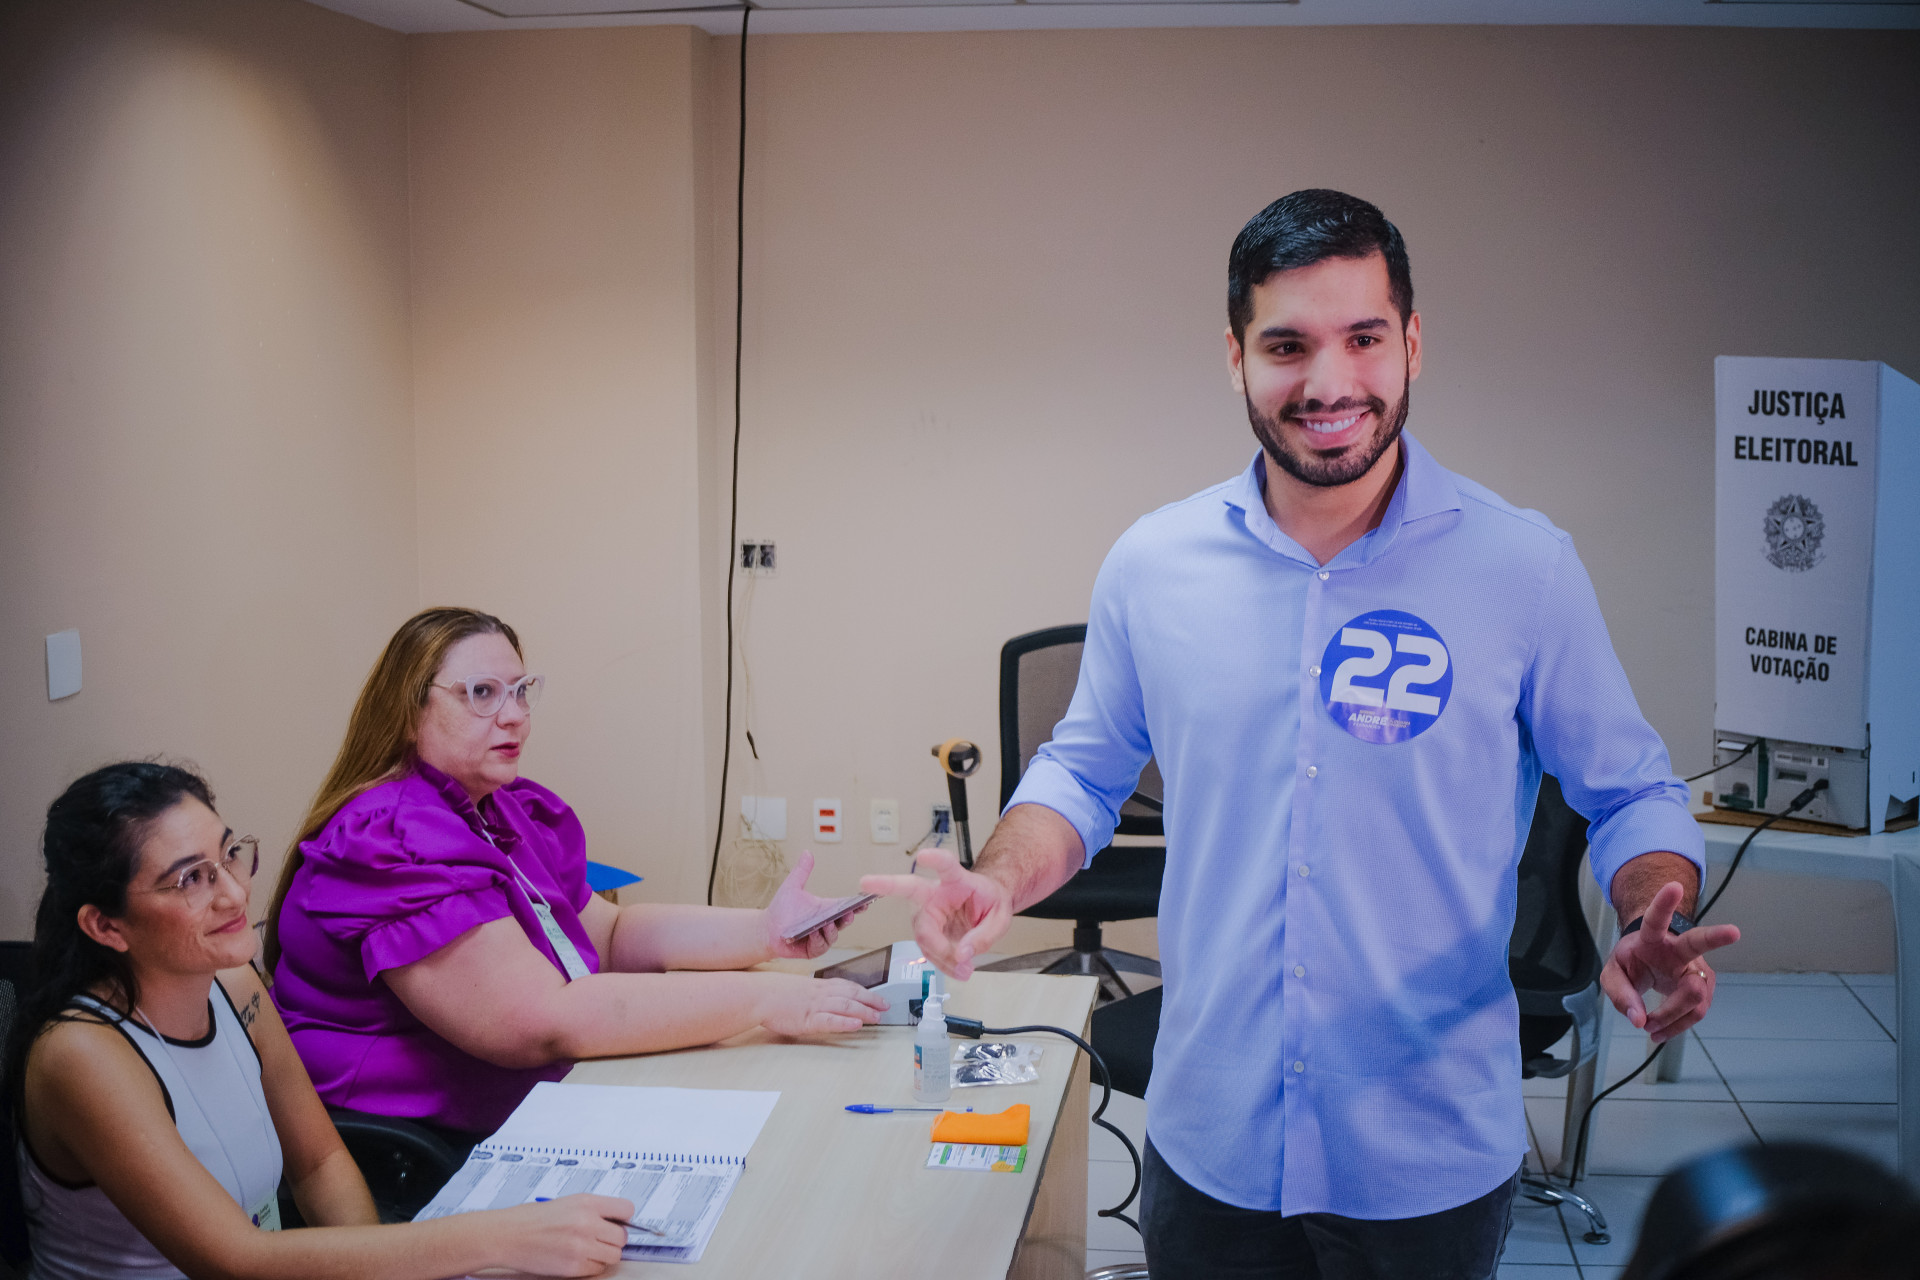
pixel 1326 473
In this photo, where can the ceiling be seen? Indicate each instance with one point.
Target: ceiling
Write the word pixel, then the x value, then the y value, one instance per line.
pixel 791 16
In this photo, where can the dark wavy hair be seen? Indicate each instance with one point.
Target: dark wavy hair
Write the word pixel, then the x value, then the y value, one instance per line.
pixel 92 849
pixel 1306 227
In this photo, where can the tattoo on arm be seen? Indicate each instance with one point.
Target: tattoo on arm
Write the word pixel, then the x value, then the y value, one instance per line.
pixel 252 1011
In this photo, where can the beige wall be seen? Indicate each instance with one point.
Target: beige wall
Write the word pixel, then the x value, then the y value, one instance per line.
pixel 985 279
pixel 206 457
pixel 982 336
pixel 557 304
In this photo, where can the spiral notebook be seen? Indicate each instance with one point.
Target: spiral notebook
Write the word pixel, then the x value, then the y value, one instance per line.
pixel 676 1153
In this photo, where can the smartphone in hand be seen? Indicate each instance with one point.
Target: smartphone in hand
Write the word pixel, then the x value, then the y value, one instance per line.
pixel 828 912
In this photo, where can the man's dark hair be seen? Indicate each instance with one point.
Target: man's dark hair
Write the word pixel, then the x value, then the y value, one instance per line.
pixel 1306 227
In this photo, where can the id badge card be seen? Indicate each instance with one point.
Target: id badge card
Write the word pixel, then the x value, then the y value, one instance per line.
pixel 266 1215
pixel 562 945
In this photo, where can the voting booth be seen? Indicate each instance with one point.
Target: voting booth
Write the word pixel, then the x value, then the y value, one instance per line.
pixel 1817 589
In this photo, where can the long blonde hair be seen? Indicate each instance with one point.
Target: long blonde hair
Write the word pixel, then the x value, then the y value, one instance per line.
pixel 380 733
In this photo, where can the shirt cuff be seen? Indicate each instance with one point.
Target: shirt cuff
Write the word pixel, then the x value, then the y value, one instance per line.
pixel 398 943
pixel 1651 824
pixel 1050 784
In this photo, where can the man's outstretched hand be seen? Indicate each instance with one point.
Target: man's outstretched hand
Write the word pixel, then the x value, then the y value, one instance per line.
pixel 956 915
pixel 1650 958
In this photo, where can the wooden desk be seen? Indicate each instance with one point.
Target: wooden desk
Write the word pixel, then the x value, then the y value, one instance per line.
pixel 828 1193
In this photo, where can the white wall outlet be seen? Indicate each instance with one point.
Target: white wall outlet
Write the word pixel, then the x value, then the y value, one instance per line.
pixel 826 821
pixel 884 818
pixel 63 665
pixel 757 557
pixel 766 817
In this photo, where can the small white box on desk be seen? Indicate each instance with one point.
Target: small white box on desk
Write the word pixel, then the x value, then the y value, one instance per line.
pixel 896 973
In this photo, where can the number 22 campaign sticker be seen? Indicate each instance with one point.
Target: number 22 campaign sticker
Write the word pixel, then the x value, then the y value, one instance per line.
pixel 1386 676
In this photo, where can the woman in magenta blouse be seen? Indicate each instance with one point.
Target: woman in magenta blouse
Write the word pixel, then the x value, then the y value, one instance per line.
pixel 435 948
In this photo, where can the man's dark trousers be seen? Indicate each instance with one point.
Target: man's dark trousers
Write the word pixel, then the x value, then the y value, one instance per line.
pixel 1192 1236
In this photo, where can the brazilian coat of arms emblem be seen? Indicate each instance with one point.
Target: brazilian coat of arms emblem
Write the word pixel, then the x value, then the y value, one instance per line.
pixel 1794 528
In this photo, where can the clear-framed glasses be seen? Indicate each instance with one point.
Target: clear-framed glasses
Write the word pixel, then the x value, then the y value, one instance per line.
pixel 195 882
pixel 487 694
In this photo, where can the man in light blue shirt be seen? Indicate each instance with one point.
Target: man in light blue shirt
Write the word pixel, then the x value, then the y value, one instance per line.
pixel 1352 667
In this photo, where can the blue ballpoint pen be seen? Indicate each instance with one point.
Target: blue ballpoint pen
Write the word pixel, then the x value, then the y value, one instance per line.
pixel 869 1109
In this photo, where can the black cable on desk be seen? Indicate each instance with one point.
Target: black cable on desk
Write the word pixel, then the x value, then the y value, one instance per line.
pixel 974 1030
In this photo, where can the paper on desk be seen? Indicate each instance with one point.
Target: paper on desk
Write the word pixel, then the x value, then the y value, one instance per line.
pixel 682 1202
pixel 977 1159
pixel 675 1153
pixel 680 1122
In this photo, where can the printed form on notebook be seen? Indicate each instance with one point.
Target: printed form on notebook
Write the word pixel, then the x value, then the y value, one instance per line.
pixel 676 1153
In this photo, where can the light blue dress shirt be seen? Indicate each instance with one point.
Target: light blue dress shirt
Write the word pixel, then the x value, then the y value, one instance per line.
pixel 1351 754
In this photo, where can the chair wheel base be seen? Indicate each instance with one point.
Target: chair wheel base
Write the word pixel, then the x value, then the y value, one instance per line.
pixel 1540 1191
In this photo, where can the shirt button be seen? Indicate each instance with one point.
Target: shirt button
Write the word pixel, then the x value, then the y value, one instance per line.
pixel 1313 771
pixel 1323 575
pixel 1299 1067
pixel 1299 971
pixel 1313 671
pixel 1303 868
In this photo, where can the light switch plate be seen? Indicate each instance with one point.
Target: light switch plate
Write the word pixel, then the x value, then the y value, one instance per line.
pixel 884 818
pixel 826 821
pixel 766 817
pixel 63 665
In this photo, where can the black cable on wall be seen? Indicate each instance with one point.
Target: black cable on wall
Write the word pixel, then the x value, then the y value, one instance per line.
pixel 733 491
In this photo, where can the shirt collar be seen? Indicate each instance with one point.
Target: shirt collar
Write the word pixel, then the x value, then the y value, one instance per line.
pixel 1425 489
pixel 456 797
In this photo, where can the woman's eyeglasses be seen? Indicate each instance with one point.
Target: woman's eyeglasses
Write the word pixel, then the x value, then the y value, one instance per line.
pixel 195 882
pixel 487 694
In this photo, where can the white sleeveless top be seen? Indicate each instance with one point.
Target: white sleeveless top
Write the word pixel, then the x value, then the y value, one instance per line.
pixel 212 1087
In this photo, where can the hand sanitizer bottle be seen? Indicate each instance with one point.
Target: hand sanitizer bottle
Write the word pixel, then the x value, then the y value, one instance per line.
pixel 932 1059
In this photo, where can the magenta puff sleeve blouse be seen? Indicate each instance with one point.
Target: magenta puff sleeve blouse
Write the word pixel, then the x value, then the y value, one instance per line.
pixel 398 873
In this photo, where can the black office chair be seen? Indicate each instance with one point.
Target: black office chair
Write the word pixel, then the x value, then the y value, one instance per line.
pixel 16 969
pixel 1123 1035
pixel 1552 959
pixel 1555 969
pixel 1037 674
pixel 404 1162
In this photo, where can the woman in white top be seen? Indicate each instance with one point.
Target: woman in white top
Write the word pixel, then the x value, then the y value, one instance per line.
pixel 156 1096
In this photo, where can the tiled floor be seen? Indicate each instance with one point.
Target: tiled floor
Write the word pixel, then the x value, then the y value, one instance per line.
pixel 1782 1056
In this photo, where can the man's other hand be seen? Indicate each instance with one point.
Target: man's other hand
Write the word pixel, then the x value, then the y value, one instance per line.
pixel 1650 958
pixel 956 915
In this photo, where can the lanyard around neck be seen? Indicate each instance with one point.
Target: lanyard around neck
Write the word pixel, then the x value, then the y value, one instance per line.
pixel 571 961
